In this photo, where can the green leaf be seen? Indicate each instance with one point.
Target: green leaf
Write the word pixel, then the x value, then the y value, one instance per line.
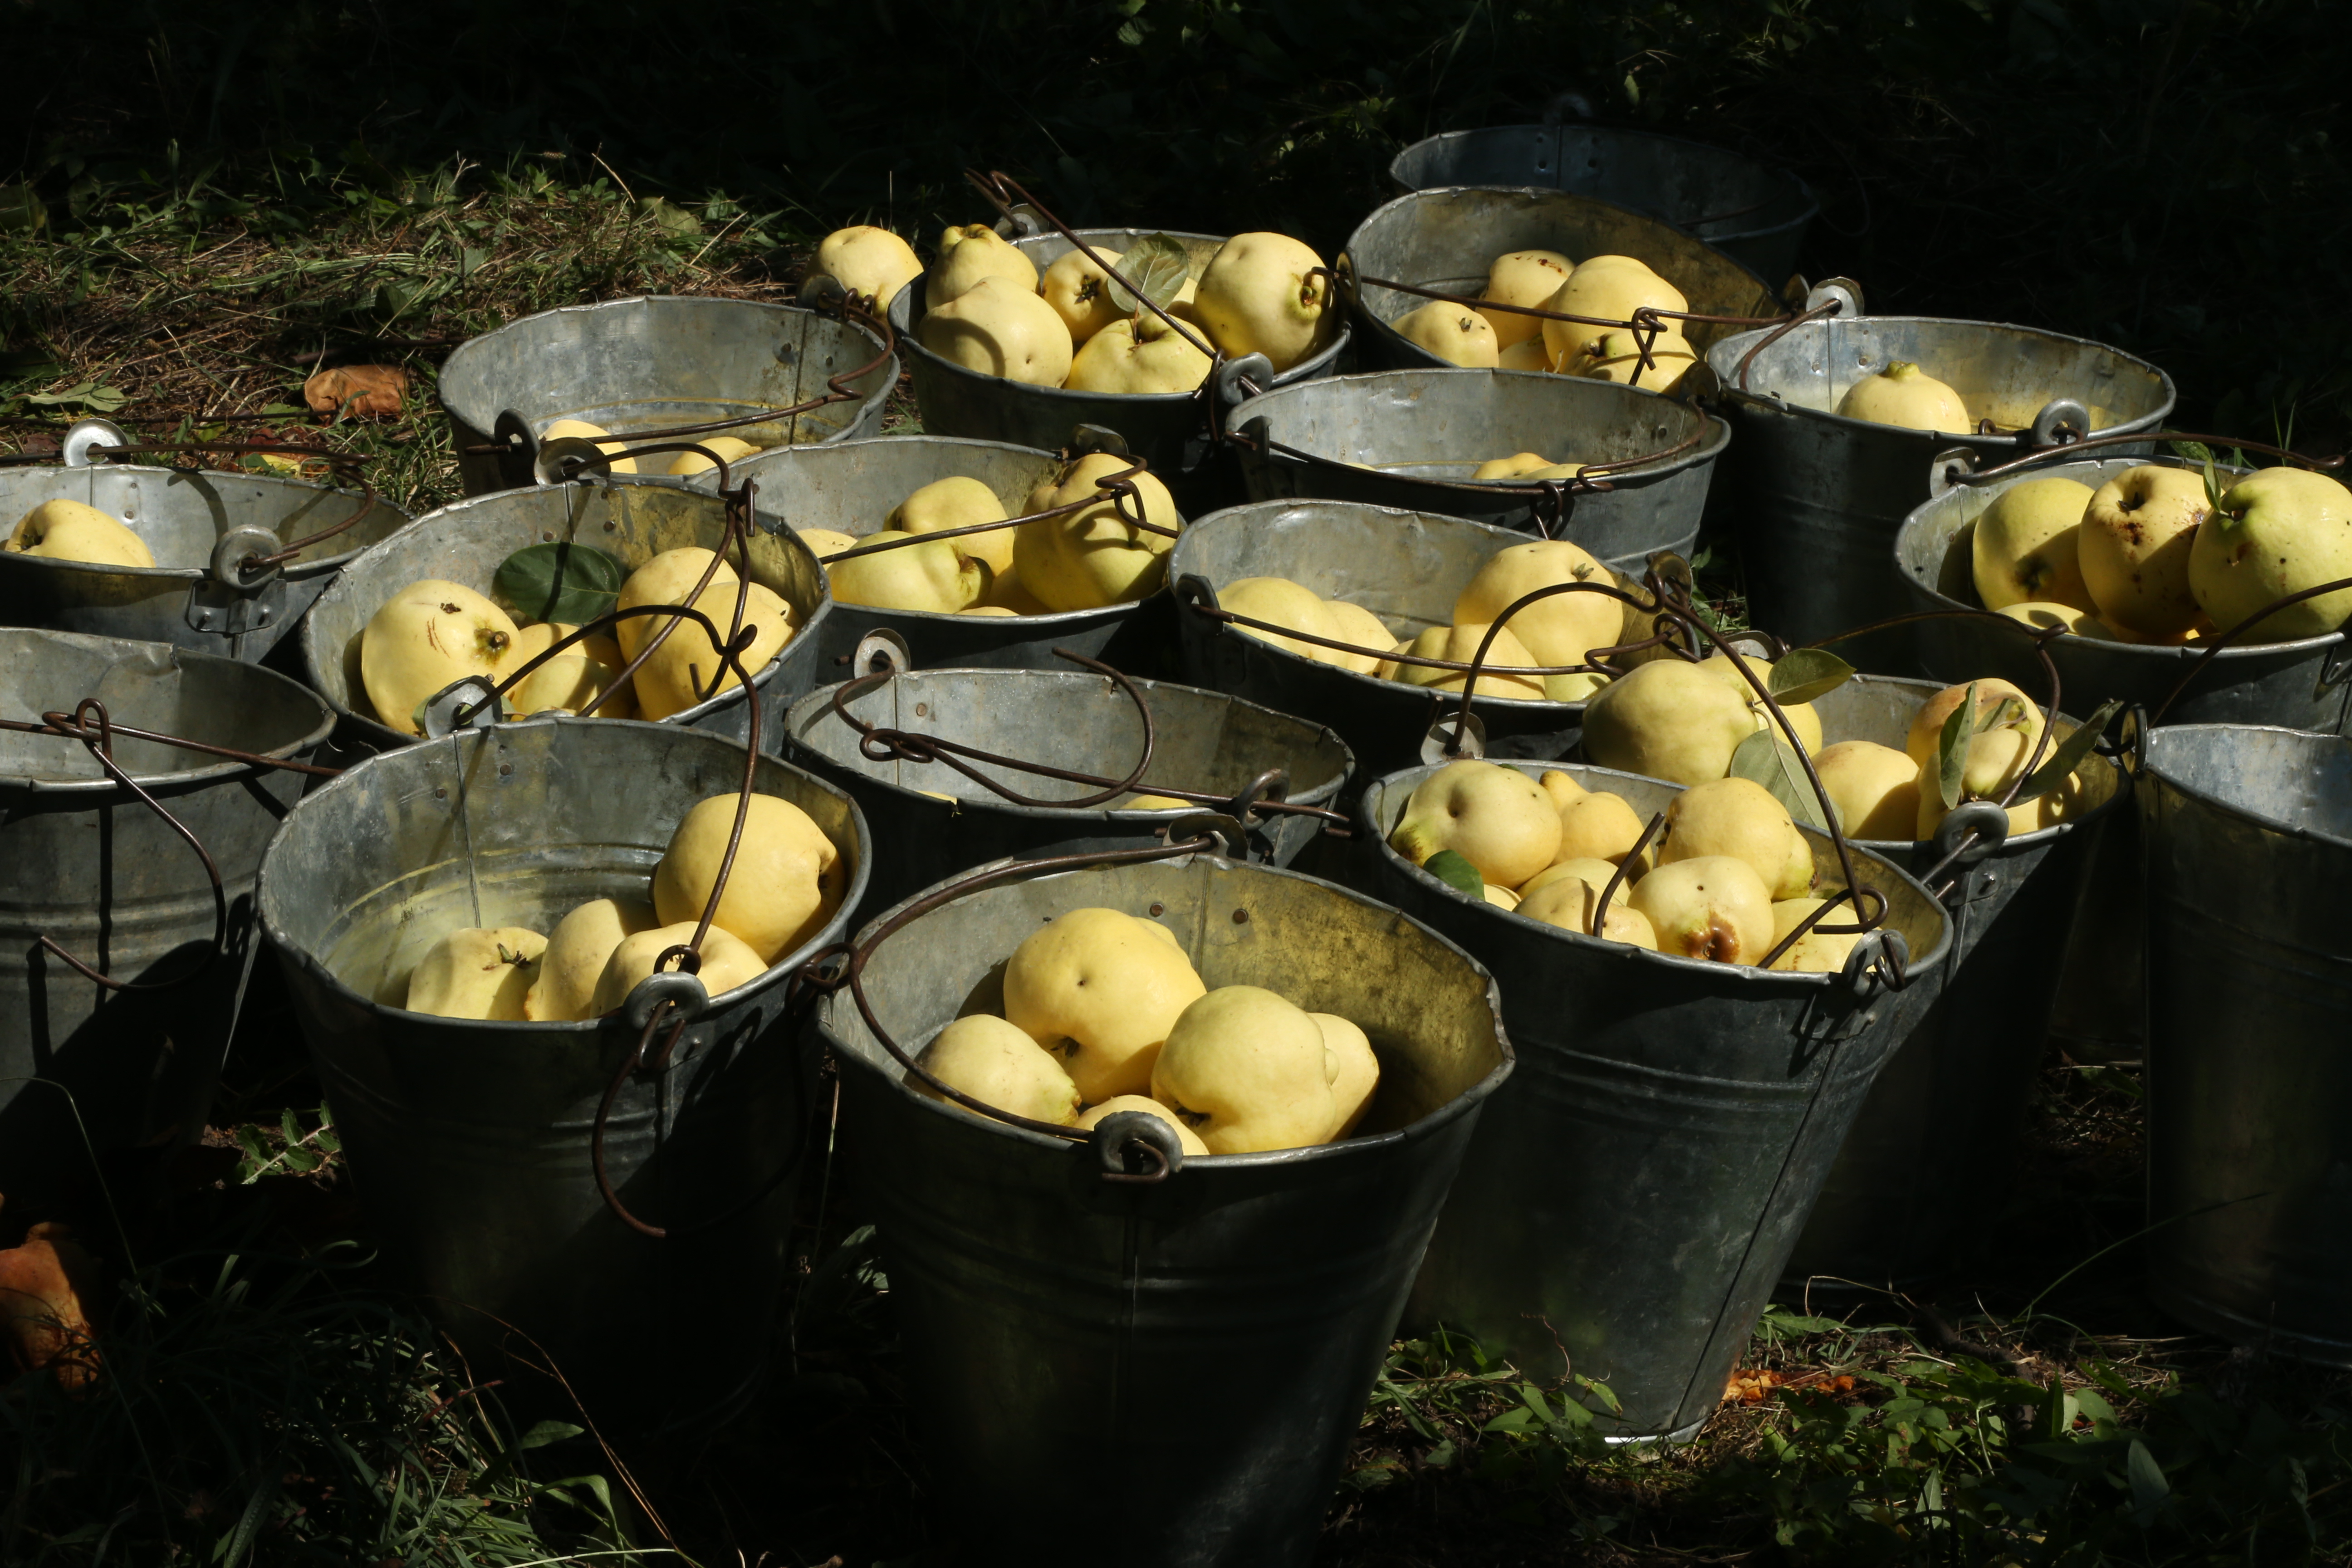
pixel 562 582
pixel 2212 484
pixel 547 1432
pixel 1952 748
pixel 2148 1488
pixel 1766 758
pixel 1455 871
pixel 2067 756
pixel 1803 674
pixel 88 395
pixel 1155 264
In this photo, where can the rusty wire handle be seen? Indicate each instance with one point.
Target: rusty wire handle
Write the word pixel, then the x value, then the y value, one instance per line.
pixel 1820 312
pixel 2071 451
pixel 2214 648
pixel 996 182
pixel 853 974
pixel 58 724
pixel 367 505
pixel 882 744
pixel 99 743
pixel 1486 490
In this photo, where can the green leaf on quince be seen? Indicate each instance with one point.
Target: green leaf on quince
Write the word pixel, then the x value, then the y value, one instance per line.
pixel 1156 264
pixel 1454 870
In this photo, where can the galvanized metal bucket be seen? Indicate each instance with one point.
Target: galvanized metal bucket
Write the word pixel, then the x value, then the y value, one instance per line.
pixel 1412 439
pixel 1447 238
pixel 200 527
pixel 631 519
pixel 1168 430
pixel 2248 848
pixel 1959 1085
pixel 98 872
pixel 470 1141
pixel 650 362
pixel 1076 720
pixel 2303 685
pixel 1193 1354
pixel 1634 1193
pixel 1819 496
pixel 1406 568
pixel 852 487
pixel 1753 213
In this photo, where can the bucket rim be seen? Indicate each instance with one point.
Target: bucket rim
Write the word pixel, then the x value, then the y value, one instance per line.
pixel 1546 709
pixel 457 356
pixel 1888 848
pixel 1930 512
pixel 314 659
pixel 525 1030
pixel 1723 358
pixel 295 570
pixel 211 772
pixel 2222 803
pixel 1789 177
pixel 822 698
pixel 1715 437
pixel 1918 965
pixel 903 323
pixel 1454 1110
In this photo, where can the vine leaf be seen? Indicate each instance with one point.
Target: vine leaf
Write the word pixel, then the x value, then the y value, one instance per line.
pixel 562 582
pixel 1952 748
pixel 1766 759
pixel 1803 674
pixel 1156 264
pixel 1454 870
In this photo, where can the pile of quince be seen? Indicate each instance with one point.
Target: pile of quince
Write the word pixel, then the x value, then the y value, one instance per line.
pixel 435 632
pixel 1104 1013
pixel 1562 629
pixel 1604 288
pixel 786 882
pixel 987 308
pixel 2167 556
pixel 1082 560
pixel 1727 877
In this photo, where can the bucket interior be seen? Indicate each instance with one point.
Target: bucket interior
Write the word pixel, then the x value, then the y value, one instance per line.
pixel 652 363
pixel 467 541
pixel 1081 722
pixel 1443 424
pixel 1910 910
pixel 2002 372
pixel 146 686
pixel 2290 778
pixel 1448 238
pixel 853 487
pixel 1426 1007
pixel 510 826
pixel 180 516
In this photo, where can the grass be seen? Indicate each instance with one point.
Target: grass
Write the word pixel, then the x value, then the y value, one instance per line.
pixel 226 203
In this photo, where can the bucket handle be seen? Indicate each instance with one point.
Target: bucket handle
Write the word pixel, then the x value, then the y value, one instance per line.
pixel 89 724
pixel 1956 467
